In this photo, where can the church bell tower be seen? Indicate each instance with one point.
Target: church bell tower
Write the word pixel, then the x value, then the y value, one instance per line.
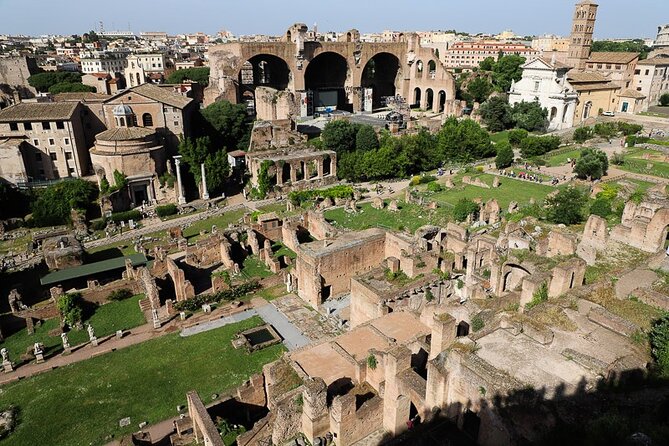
pixel 582 30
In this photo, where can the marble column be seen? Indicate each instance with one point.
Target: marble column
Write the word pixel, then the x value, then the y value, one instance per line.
pixel 279 173
pixel 293 173
pixel 319 168
pixel 205 192
pixel 180 191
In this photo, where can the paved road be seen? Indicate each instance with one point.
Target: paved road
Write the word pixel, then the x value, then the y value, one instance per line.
pixel 218 323
pixel 292 337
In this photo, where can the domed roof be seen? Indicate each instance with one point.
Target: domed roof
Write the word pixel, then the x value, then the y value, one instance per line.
pixel 122 110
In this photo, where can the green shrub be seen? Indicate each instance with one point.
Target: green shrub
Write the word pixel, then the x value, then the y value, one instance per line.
pixel 505 156
pixel 127 215
pixel 341 191
pixel 69 307
pixel 516 136
pixel 566 207
pixel 609 191
pixel 618 159
pixel 582 134
pixel 372 362
pixel 659 342
pixel 533 146
pixel 541 295
pixel 434 187
pixel 664 100
pixel 631 141
pixel 464 208
pixel 477 323
pixel 99 224
pixel 601 207
pixel 166 210
pixel 629 129
pixel 606 129
pixel 121 294
pixel 592 164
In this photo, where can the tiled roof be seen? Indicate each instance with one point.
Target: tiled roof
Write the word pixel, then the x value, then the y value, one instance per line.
pixel 654 61
pixel 596 86
pixel 612 57
pixel 80 96
pixel 629 93
pixel 124 134
pixel 39 111
pixel 585 76
pixel 157 94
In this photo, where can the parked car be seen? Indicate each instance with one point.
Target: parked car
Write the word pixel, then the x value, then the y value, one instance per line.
pixel 608 113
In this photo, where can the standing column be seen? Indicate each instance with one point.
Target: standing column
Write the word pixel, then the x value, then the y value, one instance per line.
pixel 279 173
pixel 181 199
pixel 293 173
pixel 205 192
pixel 319 168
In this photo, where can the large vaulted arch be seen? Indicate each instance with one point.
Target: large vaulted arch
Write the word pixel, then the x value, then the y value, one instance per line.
pixel 262 70
pixel 326 77
pixel 380 74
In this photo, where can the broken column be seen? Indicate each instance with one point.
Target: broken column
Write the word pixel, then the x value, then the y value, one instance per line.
pixel 443 333
pixel 315 420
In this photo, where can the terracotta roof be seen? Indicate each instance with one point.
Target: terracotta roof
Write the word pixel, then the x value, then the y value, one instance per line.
pixel 80 96
pixel 39 111
pixel 585 76
pixel 555 64
pixel 596 86
pixel 654 61
pixel 124 134
pixel 629 93
pixel 612 57
pixel 99 75
pixel 237 153
pixel 157 94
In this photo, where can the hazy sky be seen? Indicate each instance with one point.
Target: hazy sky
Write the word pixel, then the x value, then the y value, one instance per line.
pixel 616 18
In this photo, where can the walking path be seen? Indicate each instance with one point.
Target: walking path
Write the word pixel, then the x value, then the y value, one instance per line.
pixel 292 336
pixel 218 323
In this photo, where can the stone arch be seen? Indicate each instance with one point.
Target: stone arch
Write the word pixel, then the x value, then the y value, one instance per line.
pixel 147 120
pixel 431 69
pixel 419 68
pixel 416 96
pixel 381 73
pixel 326 76
pixel 512 276
pixel 442 101
pixel 587 110
pixel 553 114
pixel 429 99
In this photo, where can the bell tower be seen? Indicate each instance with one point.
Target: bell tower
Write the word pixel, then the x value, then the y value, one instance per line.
pixel 583 27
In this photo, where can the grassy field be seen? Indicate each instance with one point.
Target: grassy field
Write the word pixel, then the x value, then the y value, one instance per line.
pixel 508 191
pixel 500 136
pixel 221 222
pixel 254 268
pixel 561 159
pixel 634 162
pixel 121 315
pixel 409 217
pixel 81 404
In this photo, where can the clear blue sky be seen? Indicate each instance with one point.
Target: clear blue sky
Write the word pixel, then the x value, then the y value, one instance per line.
pixel 616 18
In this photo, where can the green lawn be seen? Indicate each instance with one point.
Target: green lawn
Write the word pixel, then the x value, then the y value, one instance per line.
pixel 253 267
pixel 81 404
pixel 221 222
pixel 121 315
pixel 634 162
pixel 561 159
pixel 410 216
pixel 508 191
pixel 500 136
pixel 279 249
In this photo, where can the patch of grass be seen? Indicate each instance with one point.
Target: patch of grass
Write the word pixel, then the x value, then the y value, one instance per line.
pixel 634 162
pixel 81 404
pixel 118 315
pixel 279 250
pixel 271 293
pixel 561 158
pixel 632 310
pixel 125 247
pixel 409 217
pixel 221 222
pixel 500 137
pixel 253 267
pixel 552 316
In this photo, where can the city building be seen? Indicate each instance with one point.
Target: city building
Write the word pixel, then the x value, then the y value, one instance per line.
pixel 617 67
pixel 54 144
pixel 596 94
pixel 468 55
pixel 99 81
pixel 108 63
pixel 651 79
pixel 661 44
pixel 153 36
pixel 546 82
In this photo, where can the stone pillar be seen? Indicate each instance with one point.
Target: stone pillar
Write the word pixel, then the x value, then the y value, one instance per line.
pixel 205 192
pixel 436 389
pixel 443 333
pixel 333 166
pixel 293 173
pixel 396 407
pixel 315 420
pixel 319 168
pixel 180 191
pixel 279 174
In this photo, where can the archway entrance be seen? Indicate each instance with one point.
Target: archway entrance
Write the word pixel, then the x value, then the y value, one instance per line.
pixel 380 74
pixel 263 70
pixel 442 101
pixel 326 77
pixel 429 99
pixel 587 110
pixel 416 97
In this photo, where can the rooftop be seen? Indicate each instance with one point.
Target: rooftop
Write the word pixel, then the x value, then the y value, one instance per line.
pixel 612 57
pixel 585 76
pixel 124 134
pixel 39 111
pixel 91 269
pixel 321 248
pixel 151 91
pixel 629 93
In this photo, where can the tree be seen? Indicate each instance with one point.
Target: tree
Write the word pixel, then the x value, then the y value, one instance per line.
pixel 195 74
pixel 582 134
pixel 54 204
pixel 566 207
pixel 606 129
pixel 664 100
pixel 202 150
pixel 593 164
pixel 71 87
pixel 217 170
pixel 339 136
pixel 659 343
pixel 479 89
pixel 464 208
pixel 505 155
pixel 628 129
pixel 533 146
pixel 516 136
pixel 601 207
pixel 628 46
pixel 43 81
pixel 463 141
pixel 530 116
pixel 230 124
pixel 487 64
pixel 496 114
pixel 69 307
pixel 506 70
pixel 366 138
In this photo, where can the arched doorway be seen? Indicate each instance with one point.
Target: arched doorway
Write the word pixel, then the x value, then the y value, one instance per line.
pixel 380 74
pixel 587 110
pixel 442 101
pixel 416 97
pixel 513 277
pixel 326 77
pixel 429 99
pixel 262 70
pixel 432 69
